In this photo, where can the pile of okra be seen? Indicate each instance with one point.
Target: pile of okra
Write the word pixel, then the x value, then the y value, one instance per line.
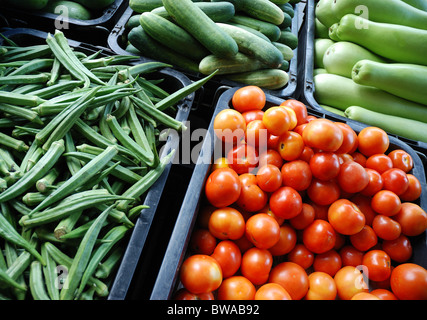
pixel 79 141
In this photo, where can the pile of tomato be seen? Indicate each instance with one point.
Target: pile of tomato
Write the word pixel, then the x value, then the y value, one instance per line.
pixel 300 207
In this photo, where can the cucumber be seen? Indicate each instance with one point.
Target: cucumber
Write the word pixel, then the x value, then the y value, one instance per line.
pixel 286 51
pixel 156 51
pixel 189 16
pixel 324 13
pixel 320 47
pixel 280 2
pixel 419 4
pixel 217 11
pixel 251 30
pixel 288 38
pixel 341 92
pixel 172 36
pixel 386 11
pixel 74 10
pixel 270 30
pixel 407 81
pixel 28 4
pixel 254 46
pixel 407 128
pixel 133 21
pixel 267 78
pixel 287 8
pixel 95 4
pixel 237 64
pixel 287 21
pixel 141 6
pixel 340 57
pixel 264 10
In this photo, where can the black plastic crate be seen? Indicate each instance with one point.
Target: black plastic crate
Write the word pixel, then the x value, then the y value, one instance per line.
pixel 117 41
pixel 168 276
pixel 139 238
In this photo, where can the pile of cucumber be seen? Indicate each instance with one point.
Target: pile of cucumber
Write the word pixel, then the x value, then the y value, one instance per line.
pixel 370 63
pixel 247 41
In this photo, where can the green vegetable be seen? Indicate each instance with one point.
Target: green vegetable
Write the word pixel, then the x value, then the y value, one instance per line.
pixel 324 13
pixel 266 78
pixel 264 10
pixel 95 4
pixel 144 5
pixel 73 10
pixel 270 30
pixel 320 47
pixel 288 38
pixel 37 287
pixel 239 63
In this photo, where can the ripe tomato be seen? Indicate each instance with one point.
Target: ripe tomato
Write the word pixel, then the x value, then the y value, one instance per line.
pixel 269 178
pixel 262 230
pixel 229 257
pixel 345 217
pixel 290 146
pixel 243 158
pixel 414 189
pixel 200 274
pixel 399 249
pixel 364 296
pixel 286 202
pixel 272 141
pixel 296 174
pixel 319 236
pixel 248 98
pixel 373 140
pixel 323 134
pixel 287 241
pixel 202 242
pixel 219 163
pixel 299 108
pixel 359 158
pixel 256 134
pixel 378 263
pixel 384 294
pixel 350 256
pixel 227 223
pixel 252 198
pixel 379 162
pixel 304 218
pixel 277 120
pixel 324 165
pixel 395 180
pixel 352 177
pixel 292 277
pixel 349 281
pixel 349 144
pixel 229 126
pixel 321 287
pixel 301 256
pixel 272 291
pixel 365 239
pixel 401 160
pixel 252 115
pixel 364 204
pixel 409 282
pixel 375 183
pixel 256 265
pixel 386 228
pixel 386 202
pixel 293 115
pixel 329 262
pixel 222 187
pixel 270 156
pixel 323 192
pixel 236 288
pixel 306 154
pixel 184 294
pixel 412 218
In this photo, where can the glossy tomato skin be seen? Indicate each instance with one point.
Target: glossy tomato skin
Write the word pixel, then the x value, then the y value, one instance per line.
pixel 252 115
pixel 299 108
pixel 364 239
pixel 286 242
pixel 292 277
pixel 222 187
pixel 229 126
pixel 401 160
pixel 373 140
pixel 256 265
pixel 379 162
pixel 286 202
pixel 277 120
pixel 386 228
pixel 414 190
pixel 350 142
pixel 321 287
pixel 409 282
pixel 412 218
pixel 243 158
pixel 325 165
pixel 323 192
pixel 229 257
pixel 202 241
pixel 252 198
pixel 296 174
pixel 290 145
pixel 323 134
pixel 227 223
pixel 248 98
pixel 319 237
pixel 350 256
pixel 256 134
pixel 395 180
pixel 236 288
pixel 386 202
pixel 352 177
pixel 375 183
pixel 345 217
pixel 329 262
pixel 378 264
pixel 304 218
pixel 272 291
pixel 384 294
pixel 399 249
pixel 269 178
pixel 262 230
pixel 272 157
pixel 301 256
pixel 349 281
pixel 184 294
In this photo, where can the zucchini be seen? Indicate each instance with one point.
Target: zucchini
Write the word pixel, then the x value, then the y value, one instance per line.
pixel 266 78
pixel 271 31
pixel 95 4
pixel 386 11
pixel 133 21
pixel 254 46
pixel 407 81
pixel 189 16
pixel 172 36
pixel 264 10
pixel 341 92
pixel 286 51
pixel 287 8
pixel 218 11
pixel 239 63
pixel 251 30
pixel 287 21
pixel 288 38
pixel 320 47
pixel 155 50
pixel 74 10
pixel 407 128
pixel 399 43
pixel 341 56
pixel 141 6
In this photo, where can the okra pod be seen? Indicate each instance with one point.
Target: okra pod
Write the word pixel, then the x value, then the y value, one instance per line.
pixel 54 72
pixel 50 275
pixel 93 150
pixel 13 143
pixel 56 89
pixel 136 211
pixel 21 112
pixel 137 129
pixel 31 66
pixel 43 184
pixel 80 231
pixel 10 282
pixel 142 68
pixel 66 225
pixel 37 288
pixel 29 78
pixel 20 99
pixel 105 268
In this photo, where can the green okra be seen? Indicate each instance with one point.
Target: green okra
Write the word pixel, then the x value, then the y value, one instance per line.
pixel 37 287
pixel 73 164
pixel 66 225
pixel 13 143
pixel 31 66
pixel 105 268
pixel 56 89
pixel 21 112
pixel 142 68
pixel 93 150
pixel 43 185
pixel 50 274
pixel 137 129
pixel 5 278
pixel 19 79
pixel 54 72
pixel 20 99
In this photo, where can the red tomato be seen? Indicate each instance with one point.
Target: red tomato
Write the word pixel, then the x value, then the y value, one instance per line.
pixel 306 154
pixel 269 178
pixel 299 108
pixel 378 263
pixel 412 218
pixel 375 183
pixel 247 179
pixel 321 287
pixel 386 228
pixel 236 288
pixel 349 281
pixel 296 174
pixel 248 98
pixel 395 180
pixel 352 177
pixel 270 156
pixel 229 257
pixel 379 162
pixel 323 134
pixel 365 239
pixel 414 189
pixel 202 241
pixel 384 294
pixel 200 274
pixel 256 134
pixel 386 202
pixel 219 163
pixel 401 160
pixel 272 141
pixel 286 202
pixel 262 230
pixel 364 204
pixel 359 158
pixel 277 120
pixel 399 250
pixel 222 187
pixel 287 241
pixel 252 198
pixel 244 244
pixel 349 144
pixel 272 291
pixel 323 192
pixel 290 146
pixel 319 236
pixel 292 277
pixel 373 140
pixel 301 256
pixel 364 296
pixel 184 294
pixel 252 115
pixel 293 115
pixel 242 158
pixel 350 256
pixel 409 282
pixel 256 265
pixel 329 262
pixel 229 126
pixel 304 218
pixel 227 223
pixel 325 165
pixel 345 217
